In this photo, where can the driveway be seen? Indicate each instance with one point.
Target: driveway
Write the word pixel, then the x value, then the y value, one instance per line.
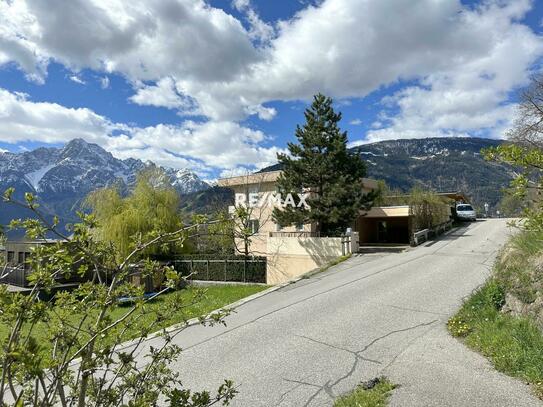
pixel 308 343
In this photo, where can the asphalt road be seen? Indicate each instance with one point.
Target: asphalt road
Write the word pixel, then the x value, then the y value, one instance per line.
pixel 308 343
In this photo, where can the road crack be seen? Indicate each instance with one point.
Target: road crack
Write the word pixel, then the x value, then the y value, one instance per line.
pixel 328 387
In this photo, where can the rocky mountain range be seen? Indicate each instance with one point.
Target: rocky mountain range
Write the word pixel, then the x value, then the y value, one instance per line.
pixel 443 164
pixel 439 164
pixel 62 177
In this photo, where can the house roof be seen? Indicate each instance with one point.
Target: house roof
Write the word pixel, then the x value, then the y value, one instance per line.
pixel 272 176
pixel 256 178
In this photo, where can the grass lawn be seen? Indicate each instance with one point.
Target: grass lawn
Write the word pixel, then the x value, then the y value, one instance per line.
pixel 375 397
pixel 215 297
pixel 514 345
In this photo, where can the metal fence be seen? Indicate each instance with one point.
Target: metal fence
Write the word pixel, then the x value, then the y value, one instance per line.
pixel 14 276
pixel 18 276
pixel 250 270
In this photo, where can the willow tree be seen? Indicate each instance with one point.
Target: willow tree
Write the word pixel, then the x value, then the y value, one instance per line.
pixel 151 208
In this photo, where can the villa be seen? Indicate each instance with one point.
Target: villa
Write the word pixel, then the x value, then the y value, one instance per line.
pixel 296 249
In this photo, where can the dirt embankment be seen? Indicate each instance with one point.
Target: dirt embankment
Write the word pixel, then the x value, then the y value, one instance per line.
pixel 520 271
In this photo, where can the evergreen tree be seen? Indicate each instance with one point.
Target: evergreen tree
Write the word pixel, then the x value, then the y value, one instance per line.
pixel 321 165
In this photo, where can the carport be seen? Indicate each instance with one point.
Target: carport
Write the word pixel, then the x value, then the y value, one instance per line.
pixel 385 224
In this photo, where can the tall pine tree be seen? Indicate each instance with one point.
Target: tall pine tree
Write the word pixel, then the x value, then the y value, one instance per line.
pixel 322 165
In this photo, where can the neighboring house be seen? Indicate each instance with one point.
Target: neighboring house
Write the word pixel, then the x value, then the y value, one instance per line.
pixel 395 224
pixel 15 267
pixel 381 224
pixel 263 185
pixel 16 255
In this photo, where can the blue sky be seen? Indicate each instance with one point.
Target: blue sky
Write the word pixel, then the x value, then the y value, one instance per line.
pixel 219 86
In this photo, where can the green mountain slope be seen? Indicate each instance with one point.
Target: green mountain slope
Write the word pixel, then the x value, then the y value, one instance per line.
pixel 441 164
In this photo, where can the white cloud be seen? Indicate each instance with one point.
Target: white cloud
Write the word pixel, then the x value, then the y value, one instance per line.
pixel 201 146
pixel 471 98
pixel 355 122
pixel 259 29
pixel 104 82
pixel 263 113
pixel 241 5
pixel 189 56
pixel 218 144
pixel 145 39
pixel 23 120
pixel 164 94
pixel 77 79
pixel 376 44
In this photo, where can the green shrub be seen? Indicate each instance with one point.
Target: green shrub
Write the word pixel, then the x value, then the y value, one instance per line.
pixel 495 294
pixel 514 345
pixel 529 243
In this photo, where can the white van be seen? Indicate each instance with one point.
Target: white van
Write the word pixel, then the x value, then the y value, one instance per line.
pixel 465 212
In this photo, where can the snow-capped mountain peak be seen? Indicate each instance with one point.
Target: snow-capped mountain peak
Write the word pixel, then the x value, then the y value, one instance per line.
pixel 68 174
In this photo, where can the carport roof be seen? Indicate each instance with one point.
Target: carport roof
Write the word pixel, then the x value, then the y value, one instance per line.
pixel 401 211
pixel 457 196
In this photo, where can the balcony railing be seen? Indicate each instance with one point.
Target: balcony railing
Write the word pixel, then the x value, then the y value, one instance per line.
pixel 301 233
pixel 14 276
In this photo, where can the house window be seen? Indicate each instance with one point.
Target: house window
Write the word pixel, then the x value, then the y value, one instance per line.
pixel 20 257
pixel 27 259
pixel 300 227
pixel 254 225
pixel 11 257
pixel 253 189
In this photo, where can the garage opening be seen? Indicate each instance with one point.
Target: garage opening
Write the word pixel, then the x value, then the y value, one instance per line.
pixel 383 230
pixel 384 225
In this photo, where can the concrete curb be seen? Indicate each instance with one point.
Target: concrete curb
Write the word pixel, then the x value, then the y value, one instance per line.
pixel 232 306
pixel 196 321
pixel 437 239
